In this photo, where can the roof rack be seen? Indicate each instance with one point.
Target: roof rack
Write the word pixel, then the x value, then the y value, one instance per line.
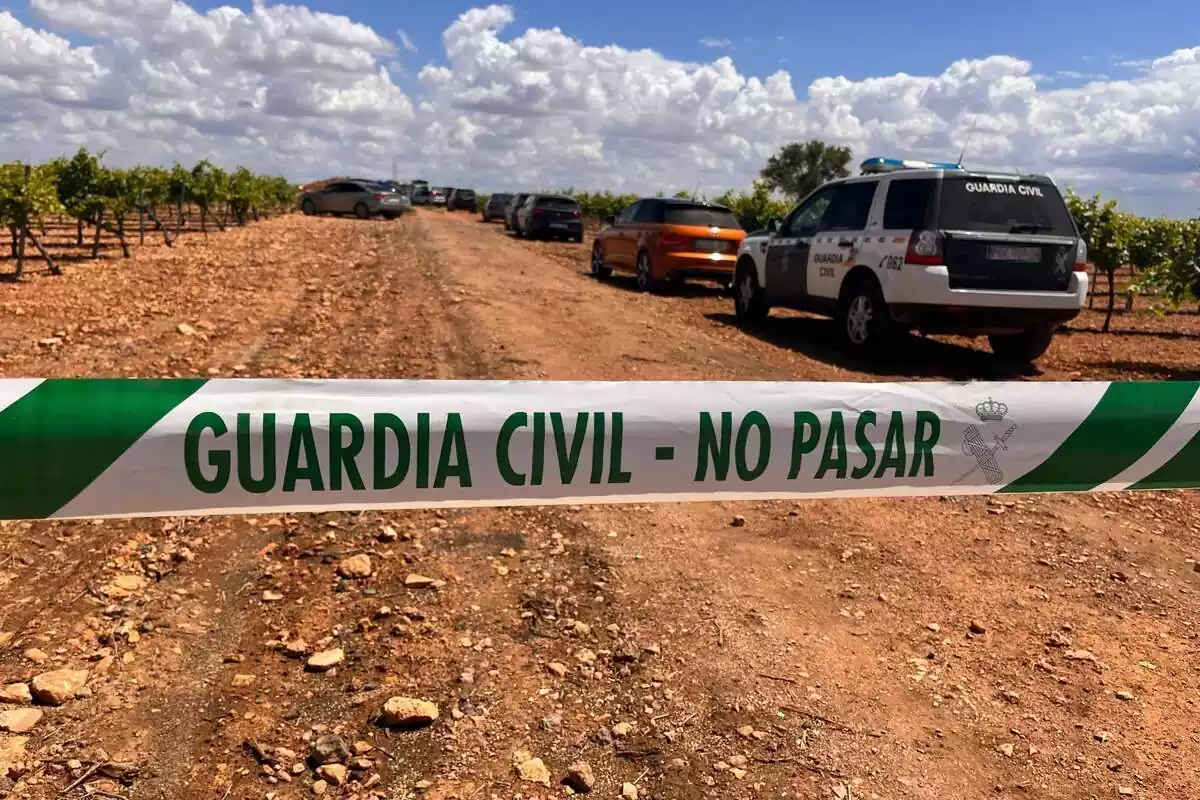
pixel 876 165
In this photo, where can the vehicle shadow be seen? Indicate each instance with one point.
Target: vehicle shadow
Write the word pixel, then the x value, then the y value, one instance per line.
pixel 1153 334
pixel 912 357
pixel 687 289
pixel 1160 371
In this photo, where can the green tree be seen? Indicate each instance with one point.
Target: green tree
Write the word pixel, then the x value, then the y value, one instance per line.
pixel 799 168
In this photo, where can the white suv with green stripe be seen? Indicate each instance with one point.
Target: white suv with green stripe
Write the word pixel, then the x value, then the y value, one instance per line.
pixel 928 247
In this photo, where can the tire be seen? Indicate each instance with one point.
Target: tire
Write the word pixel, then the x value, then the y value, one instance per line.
pixel 863 317
pixel 1022 348
pixel 577 238
pixel 361 211
pixel 388 215
pixel 600 270
pixel 309 208
pixel 646 282
pixel 749 299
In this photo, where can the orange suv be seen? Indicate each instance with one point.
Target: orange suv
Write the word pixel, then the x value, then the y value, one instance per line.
pixel 659 239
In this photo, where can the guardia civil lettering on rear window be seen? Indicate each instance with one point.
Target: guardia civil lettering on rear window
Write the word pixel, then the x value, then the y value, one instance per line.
pixel 402 452
pixel 857 446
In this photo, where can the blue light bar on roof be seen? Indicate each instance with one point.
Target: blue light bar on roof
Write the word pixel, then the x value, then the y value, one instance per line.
pixel 877 164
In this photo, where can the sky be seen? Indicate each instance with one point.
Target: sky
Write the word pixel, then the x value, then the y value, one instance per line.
pixel 621 95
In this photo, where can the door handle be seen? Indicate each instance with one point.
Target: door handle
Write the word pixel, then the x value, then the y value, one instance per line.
pixel 845 243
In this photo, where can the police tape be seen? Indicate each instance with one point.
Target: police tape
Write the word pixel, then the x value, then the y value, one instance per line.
pixel 124 448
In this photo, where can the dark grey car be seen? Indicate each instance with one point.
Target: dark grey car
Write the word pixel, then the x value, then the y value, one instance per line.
pixel 363 199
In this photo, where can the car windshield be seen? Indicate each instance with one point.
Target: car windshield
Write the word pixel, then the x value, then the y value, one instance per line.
pixel 1008 205
pixel 500 198
pixel 700 215
pixel 557 203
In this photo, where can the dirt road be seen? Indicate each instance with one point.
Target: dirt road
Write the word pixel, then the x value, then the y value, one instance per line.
pixel 1040 647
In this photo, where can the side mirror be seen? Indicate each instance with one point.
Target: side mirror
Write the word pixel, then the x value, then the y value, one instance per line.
pixel 774 226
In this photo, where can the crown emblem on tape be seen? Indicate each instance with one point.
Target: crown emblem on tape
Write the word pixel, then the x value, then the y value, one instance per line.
pixel 991 411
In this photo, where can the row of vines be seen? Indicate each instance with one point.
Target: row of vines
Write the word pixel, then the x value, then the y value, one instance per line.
pixel 1162 254
pixel 97 199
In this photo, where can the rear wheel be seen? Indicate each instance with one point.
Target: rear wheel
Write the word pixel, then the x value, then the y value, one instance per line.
pixel 600 270
pixel 646 282
pixel 749 299
pixel 361 211
pixel 1024 347
pixel 863 317
pixel 308 207
pixel 577 238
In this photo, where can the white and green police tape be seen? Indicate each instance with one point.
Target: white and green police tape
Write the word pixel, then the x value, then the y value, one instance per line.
pixel 90 448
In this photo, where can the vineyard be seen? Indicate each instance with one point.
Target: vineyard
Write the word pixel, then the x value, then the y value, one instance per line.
pixel 59 211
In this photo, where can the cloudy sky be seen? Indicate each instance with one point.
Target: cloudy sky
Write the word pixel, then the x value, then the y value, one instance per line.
pixel 627 95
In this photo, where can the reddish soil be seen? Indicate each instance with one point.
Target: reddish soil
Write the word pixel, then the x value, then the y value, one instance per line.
pixel 1040 647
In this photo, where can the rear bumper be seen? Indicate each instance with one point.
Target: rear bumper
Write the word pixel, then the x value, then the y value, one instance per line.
pixel 713 266
pixel 537 225
pixel 930 286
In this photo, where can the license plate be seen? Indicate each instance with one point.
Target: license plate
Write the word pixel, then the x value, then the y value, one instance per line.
pixel 1027 255
pixel 710 245
pixel 558 225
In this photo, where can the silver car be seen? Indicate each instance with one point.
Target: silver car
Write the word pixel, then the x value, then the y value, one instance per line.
pixel 363 199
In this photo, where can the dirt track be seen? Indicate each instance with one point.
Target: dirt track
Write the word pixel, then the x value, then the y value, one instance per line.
pixel 825 649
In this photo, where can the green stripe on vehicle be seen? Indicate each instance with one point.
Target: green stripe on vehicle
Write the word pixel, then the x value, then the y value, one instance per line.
pixel 1129 419
pixel 61 436
pixel 1181 472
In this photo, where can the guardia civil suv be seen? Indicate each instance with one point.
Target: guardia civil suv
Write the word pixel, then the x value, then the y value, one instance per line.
pixel 931 247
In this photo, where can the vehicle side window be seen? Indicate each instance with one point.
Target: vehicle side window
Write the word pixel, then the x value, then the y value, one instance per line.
pixel 649 211
pixel 850 207
pixel 806 219
pixel 629 214
pixel 908 203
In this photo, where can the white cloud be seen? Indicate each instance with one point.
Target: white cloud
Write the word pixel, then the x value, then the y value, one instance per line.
pixel 716 44
pixel 406 42
pixel 286 88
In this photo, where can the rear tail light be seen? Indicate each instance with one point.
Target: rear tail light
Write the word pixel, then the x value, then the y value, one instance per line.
pixel 1081 257
pixel 537 212
pixel 925 247
pixel 380 196
pixel 577 213
pixel 672 240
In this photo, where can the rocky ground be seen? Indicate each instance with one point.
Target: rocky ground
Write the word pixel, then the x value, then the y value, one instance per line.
pixel 1037 647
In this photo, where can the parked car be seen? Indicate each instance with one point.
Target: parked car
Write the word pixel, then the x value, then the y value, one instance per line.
pixel 660 239
pixel 420 194
pixel 462 200
pixel 924 246
pixel 438 197
pixel 510 211
pixel 496 206
pixel 550 215
pixel 363 199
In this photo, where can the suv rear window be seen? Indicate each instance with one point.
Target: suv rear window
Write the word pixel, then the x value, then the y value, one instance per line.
pixel 973 203
pixel 466 193
pixel 501 198
pixel 557 203
pixel 701 215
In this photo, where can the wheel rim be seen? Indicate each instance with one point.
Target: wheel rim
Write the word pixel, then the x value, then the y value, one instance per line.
pixel 361 210
pixel 858 319
pixel 643 272
pixel 745 294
